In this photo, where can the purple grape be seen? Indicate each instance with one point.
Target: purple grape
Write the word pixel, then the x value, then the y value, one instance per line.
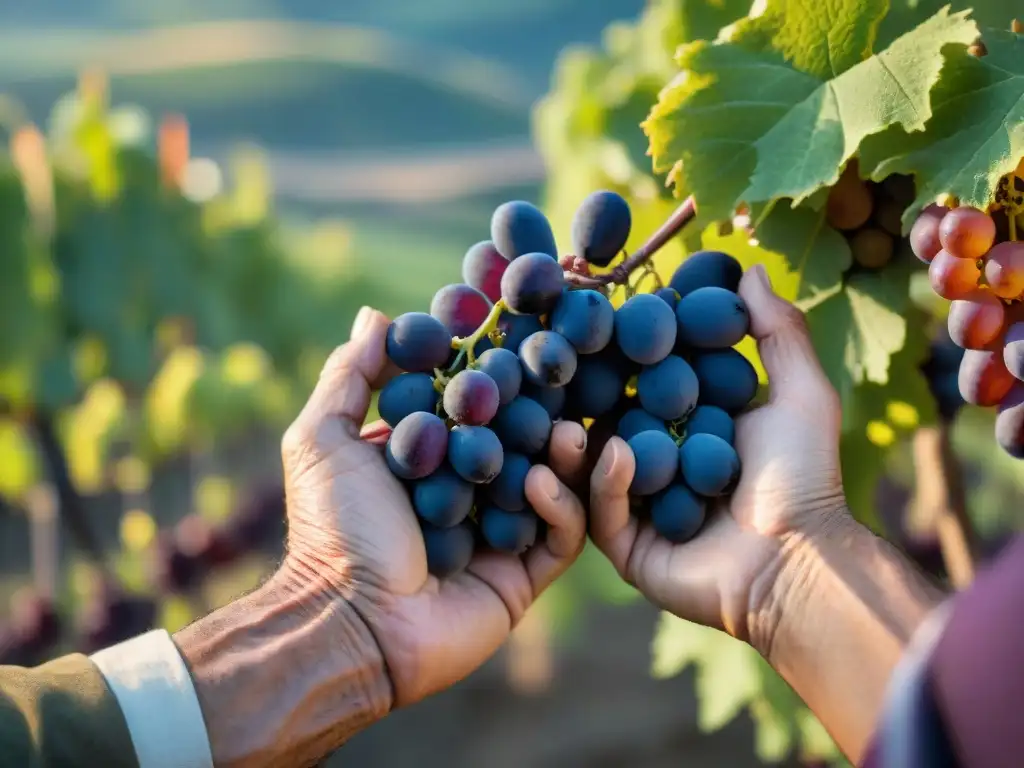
pixel 532 284
pixel 471 397
pixel 482 268
pixel 417 446
pixel 418 342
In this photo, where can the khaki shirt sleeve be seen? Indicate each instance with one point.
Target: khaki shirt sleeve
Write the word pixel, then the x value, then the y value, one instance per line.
pixel 61 715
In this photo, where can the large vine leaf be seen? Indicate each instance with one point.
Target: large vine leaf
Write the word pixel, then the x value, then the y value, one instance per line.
pixel 776 109
pixel 976 134
pixel 859 327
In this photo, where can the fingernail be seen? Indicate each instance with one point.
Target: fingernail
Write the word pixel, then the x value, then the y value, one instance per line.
pixel 608 458
pixel 550 486
pixel 762 275
pixel 359 324
pixel 581 438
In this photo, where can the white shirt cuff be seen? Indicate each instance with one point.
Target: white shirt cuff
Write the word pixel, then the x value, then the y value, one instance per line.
pixel 153 687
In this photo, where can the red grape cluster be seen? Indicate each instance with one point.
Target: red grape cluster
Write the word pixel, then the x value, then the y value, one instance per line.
pixel 977 264
pixel 529 339
pixel 869 215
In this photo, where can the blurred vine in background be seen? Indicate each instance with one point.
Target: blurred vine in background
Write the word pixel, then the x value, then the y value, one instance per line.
pixel 152 309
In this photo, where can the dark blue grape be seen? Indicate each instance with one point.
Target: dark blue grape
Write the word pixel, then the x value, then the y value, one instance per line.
pixel 1010 423
pixel 669 389
pixel 449 550
pixel 645 329
pixel 596 388
pixel 523 425
pixel 417 446
pixel 551 398
pixel 482 268
pixel 511 532
pixel 460 308
pixel 710 465
pixel 502 365
pixel 705 269
pixel 727 379
pixel 519 228
pixel 418 342
pixel 586 318
pixel 532 284
pixel 443 499
pixel 517 328
pixel 475 453
pixel 405 394
pixel 1013 350
pixel 600 227
pixel 712 420
pixel 471 397
pixel 637 420
pixel 657 462
pixel 677 513
pixel 712 318
pixel 669 296
pixel 614 356
pixel 508 489
pixel 548 359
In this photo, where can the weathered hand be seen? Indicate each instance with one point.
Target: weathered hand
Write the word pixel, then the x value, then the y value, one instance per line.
pixel 790 488
pixel 353 532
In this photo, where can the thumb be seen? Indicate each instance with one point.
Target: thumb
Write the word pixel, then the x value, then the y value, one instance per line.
pixel 784 344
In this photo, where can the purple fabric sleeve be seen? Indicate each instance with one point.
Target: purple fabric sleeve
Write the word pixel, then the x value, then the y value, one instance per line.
pixel 957 698
pixel 977 670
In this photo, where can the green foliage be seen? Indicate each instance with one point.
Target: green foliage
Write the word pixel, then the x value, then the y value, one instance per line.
pixel 777 109
pixel 732 677
pixel 977 134
pixel 760 116
pixel 136 313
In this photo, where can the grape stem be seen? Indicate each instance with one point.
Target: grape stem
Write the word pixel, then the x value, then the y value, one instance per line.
pixel 467 346
pixel 675 223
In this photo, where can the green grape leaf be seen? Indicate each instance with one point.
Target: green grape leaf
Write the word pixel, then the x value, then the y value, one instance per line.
pixel 976 134
pixel 727 681
pixel 677 644
pixel 684 21
pixel 857 328
pixel 813 250
pixel 778 109
pixel 727 670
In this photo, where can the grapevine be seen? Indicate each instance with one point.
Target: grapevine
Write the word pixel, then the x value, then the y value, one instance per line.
pixel 130 339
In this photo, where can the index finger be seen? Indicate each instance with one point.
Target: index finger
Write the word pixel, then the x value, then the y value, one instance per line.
pixel 613 529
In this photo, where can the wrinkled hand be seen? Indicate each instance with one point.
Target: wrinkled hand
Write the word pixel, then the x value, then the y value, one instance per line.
pixel 790 488
pixel 352 529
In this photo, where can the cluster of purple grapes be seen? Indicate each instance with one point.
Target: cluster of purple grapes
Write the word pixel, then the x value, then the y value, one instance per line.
pixel 181 559
pixel 518 346
pixel 975 261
